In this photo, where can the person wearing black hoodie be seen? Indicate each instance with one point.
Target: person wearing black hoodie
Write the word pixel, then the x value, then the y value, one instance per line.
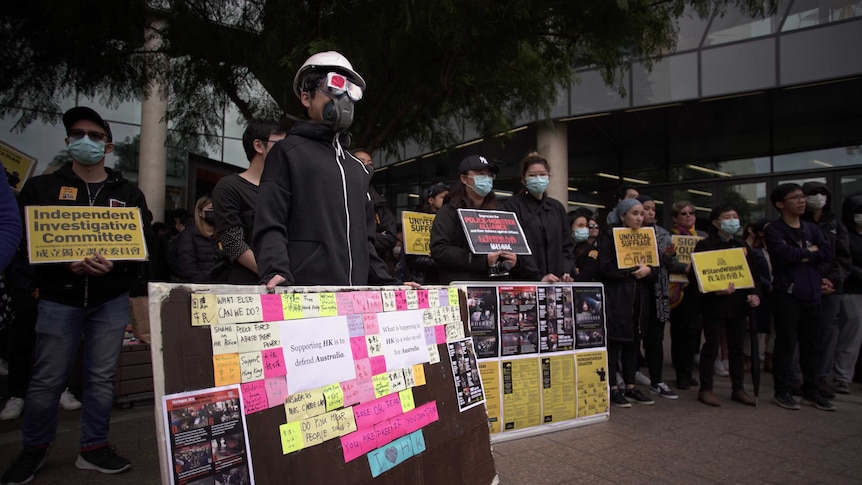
pixel 818 209
pixel 797 248
pixel 314 223
pixel 850 322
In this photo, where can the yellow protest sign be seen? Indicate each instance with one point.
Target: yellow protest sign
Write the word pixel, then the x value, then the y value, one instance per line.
pixel 684 246
pixel 635 247
pixel 62 234
pixel 19 165
pixel 715 270
pixel 417 232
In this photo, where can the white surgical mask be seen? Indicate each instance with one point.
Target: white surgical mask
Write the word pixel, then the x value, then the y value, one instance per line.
pixel 816 201
pixel 857 218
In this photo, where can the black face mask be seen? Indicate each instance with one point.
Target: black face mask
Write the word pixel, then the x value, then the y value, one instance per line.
pixel 338 112
pixel 209 217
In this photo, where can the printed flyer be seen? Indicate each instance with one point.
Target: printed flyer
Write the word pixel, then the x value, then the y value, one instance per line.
pixel 556 323
pixel 465 373
pixel 206 437
pixel 589 317
pixel 519 320
pixel 592 369
pixel 521 397
pixel 489 371
pixel 482 308
pixel 559 401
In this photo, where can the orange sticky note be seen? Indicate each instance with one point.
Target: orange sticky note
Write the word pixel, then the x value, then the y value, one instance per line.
pixel 419 374
pixel 226 369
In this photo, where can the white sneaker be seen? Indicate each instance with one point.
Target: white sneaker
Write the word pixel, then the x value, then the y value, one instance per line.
pixel 13 409
pixel 68 401
pixel 642 379
pixel 721 368
pixel 4 368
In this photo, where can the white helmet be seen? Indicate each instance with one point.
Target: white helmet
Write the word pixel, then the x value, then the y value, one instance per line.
pixel 323 60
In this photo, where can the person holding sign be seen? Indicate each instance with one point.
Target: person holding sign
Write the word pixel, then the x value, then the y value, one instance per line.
pixel 544 223
pixel 586 252
pixel 88 298
pixel 628 310
pixel 422 268
pixel 725 311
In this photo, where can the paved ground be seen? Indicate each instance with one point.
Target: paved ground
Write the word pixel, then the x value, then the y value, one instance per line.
pixel 680 441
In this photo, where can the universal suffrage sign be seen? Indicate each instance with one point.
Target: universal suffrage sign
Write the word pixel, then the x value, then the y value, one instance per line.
pixel 61 234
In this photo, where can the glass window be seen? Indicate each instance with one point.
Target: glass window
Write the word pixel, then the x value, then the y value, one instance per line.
pixel 592 95
pixel 819 159
pixel 750 200
pixel 808 13
pixel 851 185
pixel 234 153
pixel 820 54
pixel 671 79
pixel 803 180
pixel 691 28
pixel 700 196
pixel 707 170
pixel 738 68
pixel 735 25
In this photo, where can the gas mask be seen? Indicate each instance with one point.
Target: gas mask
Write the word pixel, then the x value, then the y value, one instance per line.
pixel 342 94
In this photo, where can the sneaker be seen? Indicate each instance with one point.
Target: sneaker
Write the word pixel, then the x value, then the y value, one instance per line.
pixel 638 396
pixel 24 468
pixel 4 368
pixel 68 401
pixel 720 368
pixel 104 459
pixel 13 409
pixel 839 388
pixel 818 401
pixel 826 390
pixel 786 401
pixel 663 390
pixel 642 379
pixel 619 400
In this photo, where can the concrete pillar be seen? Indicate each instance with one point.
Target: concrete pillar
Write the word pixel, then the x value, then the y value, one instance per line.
pixel 553 144
pixel 152 158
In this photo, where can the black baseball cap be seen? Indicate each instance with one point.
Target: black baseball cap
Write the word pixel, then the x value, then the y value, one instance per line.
pixel 477 162
pixel 79 113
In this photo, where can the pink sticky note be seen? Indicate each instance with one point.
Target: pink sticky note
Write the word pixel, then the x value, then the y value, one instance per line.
pixel 360 301
pixel 359 348
pixel 276 391
pixel 370 324
pixel 430 412
pixel 363 369
pixel 375 301
pixel 440 333
pixel 430 336
pixel 344 302
pixel 254 396
pixel 444 297
pixel 378 364
pixel 401 300
pixel 384 433
pixel 399 426
pixel 370 413
pixel 271 307
pixel 352 446
pixel 422 298
pixel 355 326
pixel 273 363
pixel 350 391
pixel 369 438
pixel 366 390
pixel 392 405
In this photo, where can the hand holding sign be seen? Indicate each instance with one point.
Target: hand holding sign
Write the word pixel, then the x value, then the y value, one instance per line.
pixel 98 265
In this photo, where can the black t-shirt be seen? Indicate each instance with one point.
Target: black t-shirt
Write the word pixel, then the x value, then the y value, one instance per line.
pixel 234 203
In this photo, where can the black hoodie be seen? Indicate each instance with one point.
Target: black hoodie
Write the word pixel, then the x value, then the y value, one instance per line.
pixel 314 222
pixel 835 232
pixel 853 206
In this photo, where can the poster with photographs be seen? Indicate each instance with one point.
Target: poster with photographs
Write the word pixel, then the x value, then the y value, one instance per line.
pixel 589 317
pixel 482 308
pixel 556 322
pixel 206 437
pixel 465 371
pixel 519 320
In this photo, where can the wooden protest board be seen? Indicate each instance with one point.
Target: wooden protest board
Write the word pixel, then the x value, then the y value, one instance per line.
pixel 17 163
pixel 684 246
pixel 635 247
pixel 417 232
pixel 491 231
pixel 60 234
pixel 715 270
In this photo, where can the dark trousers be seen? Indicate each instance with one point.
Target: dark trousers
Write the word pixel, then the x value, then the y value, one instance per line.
pixel 654 349
pixel 684 336
pixel 627 352
pixel 22 339
pixel 795 322
pixel 713 328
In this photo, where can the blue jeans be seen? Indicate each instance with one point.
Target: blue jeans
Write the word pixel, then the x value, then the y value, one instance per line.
pixel 59 329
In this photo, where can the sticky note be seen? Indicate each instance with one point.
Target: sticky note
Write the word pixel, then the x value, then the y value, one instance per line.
pixel 344 302
pixel 267 335
pixel 350 392
pixel 399 426
pixel 355 327
pixel 444 296
pixel 434 354
pixel 378 364
pixel 370 323
pixel 400 300
pixel 454 331
pixel 328 306
pixel 409 378
pixel 359 347
pixel 341 421
pixel 453 296
pixel 417 439
pixel 396 380
pixel 421 417
pixel 381 385
pixel 360 301
pixel 412 299
pixel 351 444
pixel 276 391
pixel 204 309
pixel 310 305
pixel 251 366
pixel 239 308
pixel 224 339
pixel 271 306
pixel 375 348
pixel 291 437
pixel 291 304
pixel 304 405
pixel 387 457
pixel 407 402
pixel 391 405
pixel 368 414
pixel 366 391
pixel 375 301
pixel 247 339
pixel 430 337
pixel 363 369
pixel 388 297
pixel 226 369
pixel 419 374
pixel 434 298
pixel 327 426
pixel 273 363
pixel 254 397
pixel 428 318
pixel 422 299
pixel 384 432
pixel 333 396
pixel 440 334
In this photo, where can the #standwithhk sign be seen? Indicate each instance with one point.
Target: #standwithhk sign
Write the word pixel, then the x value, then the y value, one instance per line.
pixel 491 231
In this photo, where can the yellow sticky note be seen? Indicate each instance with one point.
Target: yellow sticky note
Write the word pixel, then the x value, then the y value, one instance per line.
pixel 334 396
pixel 453 296
pixel 314 431
pixel 204 309
pixel 304 405
pixel 419 374
pixel 381 385
pixel 342 422
pixel 407 402
pixel 291 303
pixel 328 308
pixel 291 437
pixel 226 369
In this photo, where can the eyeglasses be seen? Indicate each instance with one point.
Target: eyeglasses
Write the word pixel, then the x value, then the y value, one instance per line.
pixel 593 226
pixel 93 135
pixel 795 197
pixel 336 84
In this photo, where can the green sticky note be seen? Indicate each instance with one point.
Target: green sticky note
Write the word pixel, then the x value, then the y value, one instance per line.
pixel 334 396
pixel 328 308
pixel 291 437
pixel 291 303
pixel 407 402
pixel 453 296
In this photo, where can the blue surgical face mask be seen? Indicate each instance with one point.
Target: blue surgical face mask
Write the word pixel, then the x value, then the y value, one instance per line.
pixel 730 226
pixel 482 184
pixel 86 151
pixel 581 234
pixel 537 185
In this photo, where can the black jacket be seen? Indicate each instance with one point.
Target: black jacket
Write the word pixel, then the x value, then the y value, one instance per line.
pixel 385 226
pixel 314 223
pixel 853 205
pixel 787 248
pixel 628 298
pixel 55 281
pixel 197 255
pixel 834 231
pixel 734 305
pixel 586 267
pixel 548 233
